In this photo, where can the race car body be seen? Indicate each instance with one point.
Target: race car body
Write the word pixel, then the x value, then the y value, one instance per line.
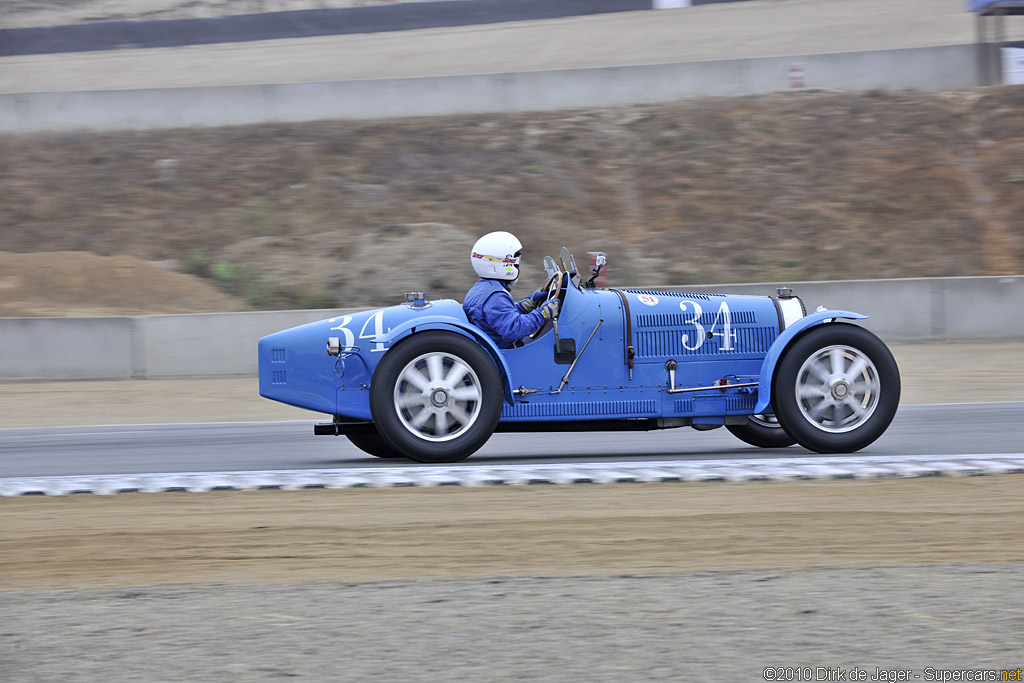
pixel 418 380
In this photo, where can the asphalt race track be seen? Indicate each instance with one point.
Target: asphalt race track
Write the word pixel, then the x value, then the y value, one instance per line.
pixel 945 429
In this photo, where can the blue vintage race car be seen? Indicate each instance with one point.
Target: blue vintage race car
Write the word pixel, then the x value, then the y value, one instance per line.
pixel 417 380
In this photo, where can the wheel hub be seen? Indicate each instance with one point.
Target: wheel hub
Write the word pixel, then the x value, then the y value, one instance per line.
pixel 439 398
pixel 840 390
pixel 837 388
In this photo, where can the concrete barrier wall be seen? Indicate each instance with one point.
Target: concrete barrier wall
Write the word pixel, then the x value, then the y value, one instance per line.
pixel 212 345
pixel 934 68
pixel 57 348
pixel 208 344
pixel 143 347
pixel 914 309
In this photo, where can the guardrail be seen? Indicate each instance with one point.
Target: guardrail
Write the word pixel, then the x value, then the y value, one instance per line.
pixel 932 68
pixel 224 344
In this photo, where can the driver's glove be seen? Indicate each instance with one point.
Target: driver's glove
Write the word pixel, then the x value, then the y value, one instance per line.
pixel 531 302
pixel 549 310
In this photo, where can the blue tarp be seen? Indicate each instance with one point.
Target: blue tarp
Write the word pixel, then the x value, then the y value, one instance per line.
pixel 987 6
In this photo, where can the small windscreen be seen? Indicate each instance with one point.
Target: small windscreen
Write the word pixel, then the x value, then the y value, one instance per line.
pixel 550 267
pixel 568 262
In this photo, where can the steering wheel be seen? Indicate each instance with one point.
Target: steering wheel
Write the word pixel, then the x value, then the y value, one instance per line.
pixel 556 285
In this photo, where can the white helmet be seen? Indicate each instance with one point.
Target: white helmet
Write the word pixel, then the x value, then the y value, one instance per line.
pixel 496 256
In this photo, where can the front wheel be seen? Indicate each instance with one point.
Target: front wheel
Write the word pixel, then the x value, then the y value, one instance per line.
pixel 836 388
pixel 763 431
pixel 436 397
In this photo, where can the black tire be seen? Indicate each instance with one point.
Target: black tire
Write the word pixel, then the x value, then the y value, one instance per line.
pixel 763 431
pixel 374 444
pixel 426 407
pixel 836 388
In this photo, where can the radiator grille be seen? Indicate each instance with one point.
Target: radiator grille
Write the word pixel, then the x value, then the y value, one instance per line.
pixel 277 355
pixel 279 377
pixel 581 409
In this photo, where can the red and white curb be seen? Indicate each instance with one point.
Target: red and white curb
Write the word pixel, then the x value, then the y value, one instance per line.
pixel 809 468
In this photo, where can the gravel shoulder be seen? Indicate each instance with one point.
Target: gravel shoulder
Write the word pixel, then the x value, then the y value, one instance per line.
pixel 706 626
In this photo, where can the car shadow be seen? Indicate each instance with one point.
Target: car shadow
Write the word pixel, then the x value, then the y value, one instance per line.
pixel 653 457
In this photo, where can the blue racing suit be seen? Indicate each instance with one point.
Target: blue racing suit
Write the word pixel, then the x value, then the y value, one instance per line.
pixel 490 306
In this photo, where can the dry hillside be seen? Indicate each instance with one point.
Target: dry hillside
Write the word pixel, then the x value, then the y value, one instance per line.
pixel 791 186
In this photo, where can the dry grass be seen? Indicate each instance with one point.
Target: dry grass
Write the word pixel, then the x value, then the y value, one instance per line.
pixel 789 186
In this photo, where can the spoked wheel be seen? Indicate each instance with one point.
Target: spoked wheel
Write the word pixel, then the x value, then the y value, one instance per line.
pixel 374 444
pixel 436 397
pixel 763 431
pixel 836 389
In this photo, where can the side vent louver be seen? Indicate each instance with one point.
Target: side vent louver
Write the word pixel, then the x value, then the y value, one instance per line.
pixel 668 343
pixel 683 405
pixel 581 409
pixel 676 295
pixel 740 404
pixel 676 319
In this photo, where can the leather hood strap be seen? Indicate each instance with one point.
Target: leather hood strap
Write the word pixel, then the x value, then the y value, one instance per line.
pixel 630 349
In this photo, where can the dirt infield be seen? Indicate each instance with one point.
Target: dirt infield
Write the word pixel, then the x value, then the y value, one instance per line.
pixel 75 283
pixel 369 535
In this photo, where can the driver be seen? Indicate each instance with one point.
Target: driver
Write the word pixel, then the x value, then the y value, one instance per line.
pixel 490 306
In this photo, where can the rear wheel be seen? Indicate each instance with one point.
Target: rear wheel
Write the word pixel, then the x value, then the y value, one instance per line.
pixel 436 397
pixel 836 388
pixel 374 444
pixel 763 431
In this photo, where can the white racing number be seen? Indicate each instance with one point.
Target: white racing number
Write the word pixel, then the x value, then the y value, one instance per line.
pixel 349 338
pixel 378 331
pixel 695 320
pixel 694 311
